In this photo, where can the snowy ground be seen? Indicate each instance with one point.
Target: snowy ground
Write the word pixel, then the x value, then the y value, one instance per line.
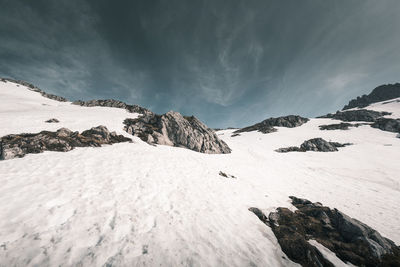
pixel 133 204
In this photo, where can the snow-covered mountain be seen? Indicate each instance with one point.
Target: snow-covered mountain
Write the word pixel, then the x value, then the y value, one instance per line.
pixel 137 204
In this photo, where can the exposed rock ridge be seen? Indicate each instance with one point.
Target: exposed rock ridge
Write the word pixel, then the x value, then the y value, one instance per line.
pixel 18 145
pixel 35 89
pixel 114 104
pixel 267 126
pixel 351 240
pixel 315 144
pixel 380 93
pixel 356 115
pixel 173 129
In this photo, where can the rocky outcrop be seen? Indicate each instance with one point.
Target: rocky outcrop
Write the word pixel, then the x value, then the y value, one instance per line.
pixel 385 124
pixel 35 89
pixel 315 144
pixel 52 121
pixel 351 240
pixel 380 93
pixel 18 145
pixel 340 126
pixel 356 115
pixel 113 104
pixel 267 126
pixel 173 129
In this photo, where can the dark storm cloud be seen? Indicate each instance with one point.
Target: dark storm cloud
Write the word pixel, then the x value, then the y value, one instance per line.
pixel 227 62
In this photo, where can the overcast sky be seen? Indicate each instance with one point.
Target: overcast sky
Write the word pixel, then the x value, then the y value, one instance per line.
pixel 230 63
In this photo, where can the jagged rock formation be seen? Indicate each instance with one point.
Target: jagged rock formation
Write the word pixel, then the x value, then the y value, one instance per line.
pixel 351 240
pixel 356 115
pixel 340 126
pixel 315 144
pixel 114 104
pixel 380 93
pixel 267 126
pixel 18 145
pixel 35 89
pixel 173 129
pixel 52 121
pixel 385 124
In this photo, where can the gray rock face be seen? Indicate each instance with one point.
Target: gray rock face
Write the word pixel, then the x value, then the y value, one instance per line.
pixel 35 89
pixel 173 129
pixel 351 240
pixel 315 144
pixel 356 115
pixel 267 126
pixel 380 93
pixel 114 104
pixel 390 125
pixel 63 140
pixel 340 126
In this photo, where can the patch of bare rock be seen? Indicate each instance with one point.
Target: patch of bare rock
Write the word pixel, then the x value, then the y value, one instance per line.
pixel 225 175
pixel 173 129
pixel 267 126
pixel 315 144
pixel 341 126
pixel 52 121
pixel 63 140
pixel 386 124
pixel 351 240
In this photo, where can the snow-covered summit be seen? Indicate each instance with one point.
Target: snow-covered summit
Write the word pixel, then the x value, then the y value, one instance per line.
pixel 134 204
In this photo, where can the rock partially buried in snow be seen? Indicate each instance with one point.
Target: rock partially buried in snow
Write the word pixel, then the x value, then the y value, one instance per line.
pixel 385 124
pixel 340 126
pixel 52 121
pixel 173 129
pixel 351 240
pixel 63 140
pixel 315 144
pixel 356 115
pixel 267 126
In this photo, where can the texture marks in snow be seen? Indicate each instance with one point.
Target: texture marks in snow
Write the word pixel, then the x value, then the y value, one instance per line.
pixel 135 204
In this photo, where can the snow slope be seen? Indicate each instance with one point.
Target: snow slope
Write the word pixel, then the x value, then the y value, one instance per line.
pixel 133 204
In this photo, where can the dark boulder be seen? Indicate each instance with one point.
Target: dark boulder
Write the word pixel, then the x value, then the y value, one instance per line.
pixel 267 126
pixel 173 129
pixel 356 115
pixel 63 140
pixel 380 93
pixel 351 240
pixel 315 144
